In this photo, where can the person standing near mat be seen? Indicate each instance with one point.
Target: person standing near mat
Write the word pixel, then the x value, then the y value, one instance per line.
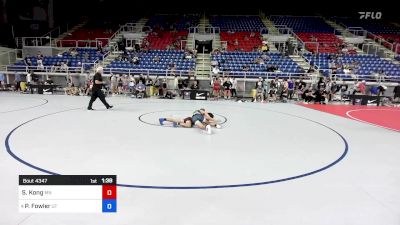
pixel 96 89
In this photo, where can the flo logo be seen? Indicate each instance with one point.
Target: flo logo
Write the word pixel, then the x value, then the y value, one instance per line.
pixel 370 15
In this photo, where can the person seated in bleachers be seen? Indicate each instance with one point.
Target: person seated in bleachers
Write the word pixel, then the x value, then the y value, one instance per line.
pixel 73 52
pixel 187 55
pixel 171 65
pixel 39 55
pixel 135 60
pixel 86 56
pixel 53 68
pixel 265 57
pixel 156 58
pixel 27 61
pixel 40 66
pixel 215 70
pixel 64 67
pixel 236 42
pixel 271 68
pixel 216 51
pixel 264 48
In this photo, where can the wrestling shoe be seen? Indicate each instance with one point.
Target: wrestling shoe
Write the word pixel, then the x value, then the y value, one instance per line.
pixel 109 107
pixel 208 129
pixel 161 121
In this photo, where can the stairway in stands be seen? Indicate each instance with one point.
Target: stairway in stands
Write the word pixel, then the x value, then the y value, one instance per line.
pixel 388 54
pixel 343 33
pixel 71 30
pixel 203 61
pixel 114 42
pixel 272 30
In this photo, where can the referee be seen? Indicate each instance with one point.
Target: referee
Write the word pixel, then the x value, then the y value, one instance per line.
pixel 96 89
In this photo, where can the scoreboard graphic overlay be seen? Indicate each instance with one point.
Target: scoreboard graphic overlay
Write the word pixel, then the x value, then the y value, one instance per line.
pixel 67 193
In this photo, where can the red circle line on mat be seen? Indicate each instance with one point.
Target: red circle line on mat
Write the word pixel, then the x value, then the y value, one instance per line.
pixel 390 121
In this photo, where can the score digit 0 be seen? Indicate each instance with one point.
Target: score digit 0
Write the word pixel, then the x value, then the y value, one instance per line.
pixel 109 192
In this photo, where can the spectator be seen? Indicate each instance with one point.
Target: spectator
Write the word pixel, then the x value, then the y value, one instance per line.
pixel 131 84
pixel 362 87
pixel 17 81
pixel 163 91
pixel 120 84
pixel 320 96
pixel 234 87
pixel 321 83
pixel 290 88
pixel 265 48
pixel 271 68
pixel 73 52
pixel 28 80
pixel 175 85
pixel 142 79
pixel 215 70
pixel 227 88
pixel 39 55
pixel 273 88
pixel 171 67
pixel 2 78
pixel 216 88
pixel 64 67
pixel 265 57
pixel 125 83
pixel 259 90
pixel 135 60
pixel 40 65
pixel 114 84
pixel 49 81
pixel 308 95
pixel 157 86
pixel 285 89
pixel 86 56
pixel 266 89
pixel 311 69
pixel 149 84
pixel 396 92
pixel 195 84
pixel 156 58
pixel 27 61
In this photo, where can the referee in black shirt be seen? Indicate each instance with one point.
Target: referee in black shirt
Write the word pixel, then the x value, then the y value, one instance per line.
pixel 96 89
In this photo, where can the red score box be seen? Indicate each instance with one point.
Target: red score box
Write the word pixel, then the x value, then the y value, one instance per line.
pixel 109 191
